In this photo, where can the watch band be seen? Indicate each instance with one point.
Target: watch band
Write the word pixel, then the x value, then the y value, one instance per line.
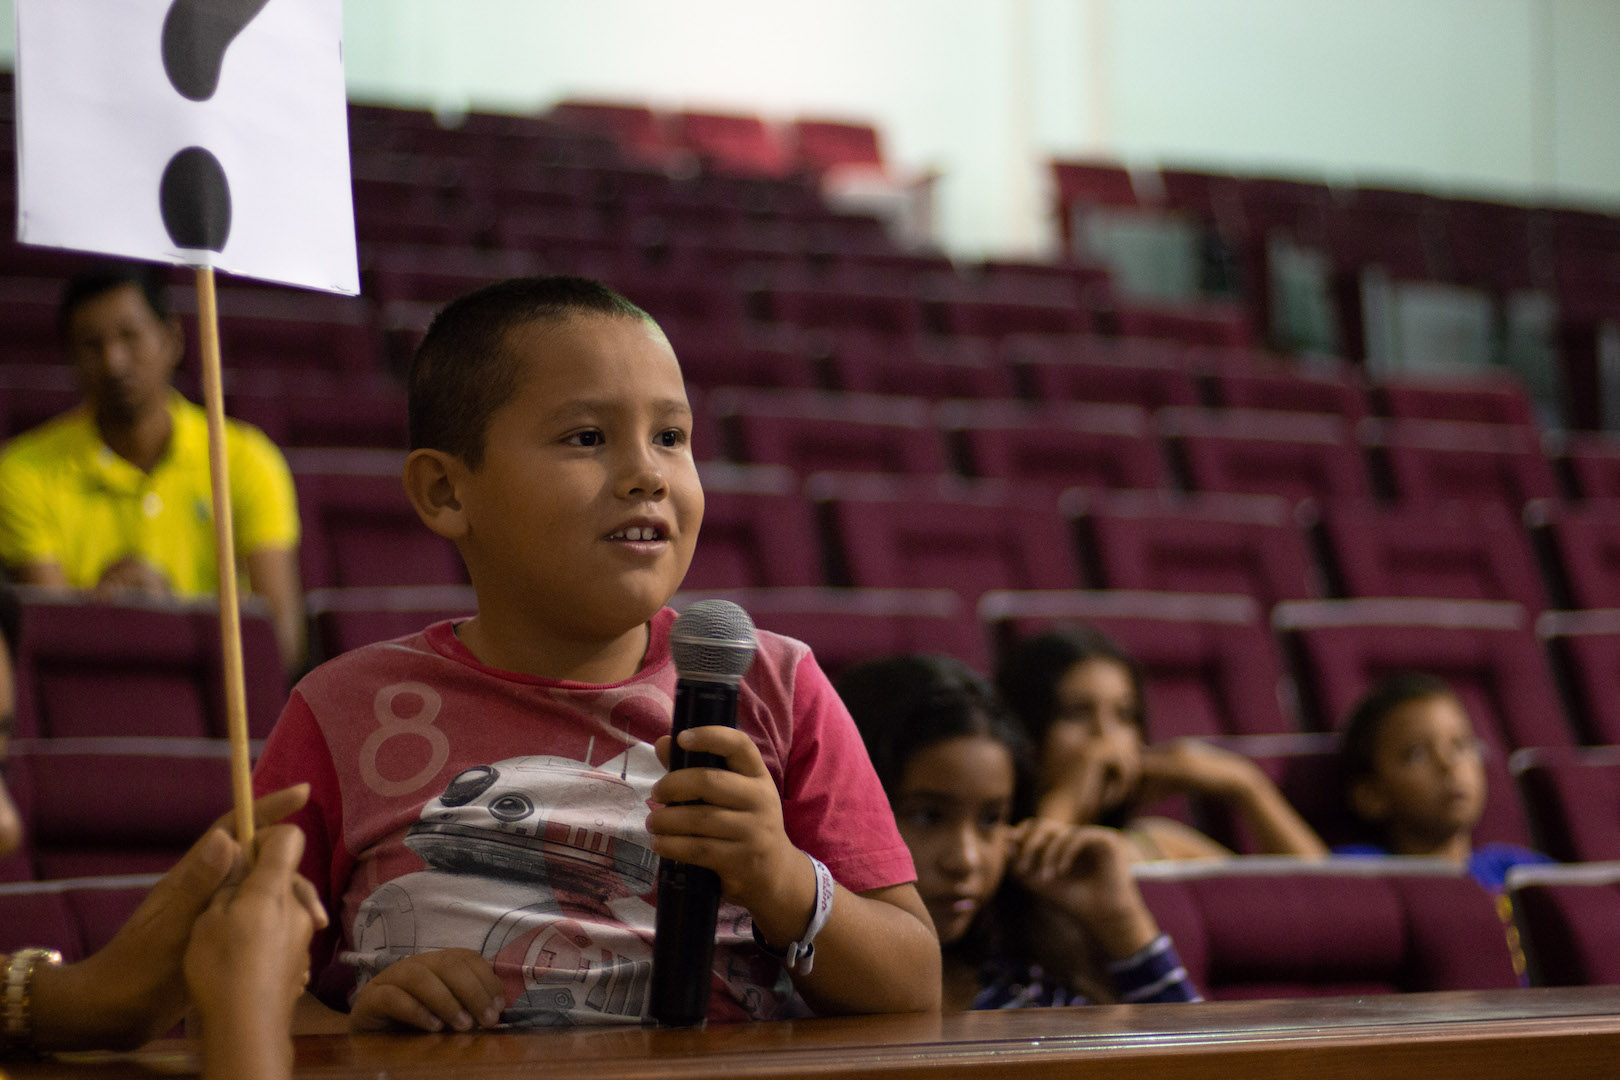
pixel 17 1008
pixel 800 955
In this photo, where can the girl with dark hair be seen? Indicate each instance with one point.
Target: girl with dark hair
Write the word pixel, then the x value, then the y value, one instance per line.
pixel 1032 914
pixel 1080 697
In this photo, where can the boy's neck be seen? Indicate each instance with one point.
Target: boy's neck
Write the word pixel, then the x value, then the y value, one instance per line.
pixel 523 649
pixel 1456 847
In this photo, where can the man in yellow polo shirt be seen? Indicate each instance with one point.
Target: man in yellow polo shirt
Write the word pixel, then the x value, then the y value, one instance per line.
pixel 114 496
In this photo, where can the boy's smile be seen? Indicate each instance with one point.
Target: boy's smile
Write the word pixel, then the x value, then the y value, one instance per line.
pixel 582 516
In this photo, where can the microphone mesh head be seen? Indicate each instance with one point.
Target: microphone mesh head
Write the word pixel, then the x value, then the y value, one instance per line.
pixel 712 639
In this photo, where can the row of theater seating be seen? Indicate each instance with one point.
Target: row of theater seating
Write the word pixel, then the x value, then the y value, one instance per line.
pixel 120 752
pixel 1263 928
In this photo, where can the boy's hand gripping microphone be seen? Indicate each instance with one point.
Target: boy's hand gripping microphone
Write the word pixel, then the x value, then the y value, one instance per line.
pixel 713 644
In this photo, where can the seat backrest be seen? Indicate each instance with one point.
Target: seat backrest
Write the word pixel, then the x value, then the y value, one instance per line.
pixel 344 619
pixel 970 547
pixel 1430 461
pixel 360 529
pixel 1569 920
pixel 1291 392
pixel 1453 551
pixel 93 669
pixel 1586 646
pixel 1574 801
pixel 758 531
pixel 120 805
pixel 1294 455
pixel 849 626
pixel 1249 545
pixel 1056 446
pixel 825 144
pixel 1583 543
pixel 1259 928
pixel 812 432
pixel 1478 400
pixel 76 917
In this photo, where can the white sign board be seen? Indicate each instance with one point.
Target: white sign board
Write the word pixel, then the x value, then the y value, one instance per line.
pixel 204 132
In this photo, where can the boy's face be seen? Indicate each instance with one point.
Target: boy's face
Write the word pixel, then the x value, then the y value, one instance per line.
pixel 586 506
pixel 1428 775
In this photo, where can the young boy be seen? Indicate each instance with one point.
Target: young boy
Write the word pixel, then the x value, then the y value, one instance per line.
pixel 480 816
pixel 1415 774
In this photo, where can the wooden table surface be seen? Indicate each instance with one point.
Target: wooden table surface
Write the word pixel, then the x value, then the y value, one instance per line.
pixel 1557 1033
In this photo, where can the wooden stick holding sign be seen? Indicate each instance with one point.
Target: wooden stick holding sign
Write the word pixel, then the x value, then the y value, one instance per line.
pixel 230 153
pixel 230 608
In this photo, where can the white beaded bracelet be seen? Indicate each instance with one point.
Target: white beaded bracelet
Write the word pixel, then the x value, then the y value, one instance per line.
pixel 800 955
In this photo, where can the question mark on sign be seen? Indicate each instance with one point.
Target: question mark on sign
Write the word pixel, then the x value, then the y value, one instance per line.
pixel 194 196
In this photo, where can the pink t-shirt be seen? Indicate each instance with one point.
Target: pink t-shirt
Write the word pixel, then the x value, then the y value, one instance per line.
pixel 457 806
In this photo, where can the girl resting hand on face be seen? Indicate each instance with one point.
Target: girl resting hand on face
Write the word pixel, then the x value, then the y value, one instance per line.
pixel 1038 913
pixel 1080 698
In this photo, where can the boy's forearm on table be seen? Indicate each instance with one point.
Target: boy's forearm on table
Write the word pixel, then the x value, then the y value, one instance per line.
pixel 877 953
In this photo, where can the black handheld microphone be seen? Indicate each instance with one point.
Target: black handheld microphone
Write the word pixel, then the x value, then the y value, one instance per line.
pixel 713 644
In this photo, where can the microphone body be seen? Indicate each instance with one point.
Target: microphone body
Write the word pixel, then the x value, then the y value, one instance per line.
pixel 713 644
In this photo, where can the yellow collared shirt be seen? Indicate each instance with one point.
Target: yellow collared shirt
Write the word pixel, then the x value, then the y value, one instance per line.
pixel 65 497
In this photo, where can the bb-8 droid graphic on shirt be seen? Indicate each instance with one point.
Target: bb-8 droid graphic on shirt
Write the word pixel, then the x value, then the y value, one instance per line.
pixel 561 848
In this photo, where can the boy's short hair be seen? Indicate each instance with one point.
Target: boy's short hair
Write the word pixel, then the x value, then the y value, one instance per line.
pixel 462 372
pixel 1358 738
pixel 104 277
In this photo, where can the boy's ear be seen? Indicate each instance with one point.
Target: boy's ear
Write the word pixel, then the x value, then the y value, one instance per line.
pixel 1368 801
pixel 431 479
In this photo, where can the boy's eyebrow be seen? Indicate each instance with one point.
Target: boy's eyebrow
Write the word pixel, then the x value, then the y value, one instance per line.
pixel 590 405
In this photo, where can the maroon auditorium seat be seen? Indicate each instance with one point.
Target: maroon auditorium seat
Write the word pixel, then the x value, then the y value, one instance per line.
pixel 1264 928
pixel 76 917
pixel 758 530
pixel 1586 647
pixel 1485 649
pixel 1211 666
pixel 360 529
pixel 845 302
pixel 887 534
pixel 849 626
pixel 1056 446
pixel 1205 322
pixel 120 804
pixel 318 408
pixel 1569 919
pixel 1435 461
pixel 820 145
pixel 1583 544
pixel 1054 367
pixel 809 431
pixel 344 619
pixel 636 127
pixel 1295 455
pixel 1573 796
pixel 960 367
pixel 1303 390
pixel 98 669
pixel 31 394
pixel 731 142
pixel 1480 399
pixel 1593 462
pixel 1250 545
pixel 1455 551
